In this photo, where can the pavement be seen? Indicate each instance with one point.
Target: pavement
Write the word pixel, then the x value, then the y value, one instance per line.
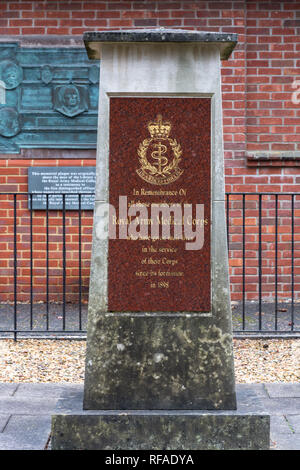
pixel 34 320
pixel 286 319
pixel 26 409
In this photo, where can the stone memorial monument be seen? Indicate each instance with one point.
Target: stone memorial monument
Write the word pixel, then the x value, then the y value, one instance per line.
pixel 159 365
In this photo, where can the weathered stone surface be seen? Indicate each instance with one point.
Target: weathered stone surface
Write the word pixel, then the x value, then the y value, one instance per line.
pixel 225 41
pixel 73 428
pixel 158 362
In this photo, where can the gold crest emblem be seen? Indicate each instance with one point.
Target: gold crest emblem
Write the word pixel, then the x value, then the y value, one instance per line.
pixel 160 169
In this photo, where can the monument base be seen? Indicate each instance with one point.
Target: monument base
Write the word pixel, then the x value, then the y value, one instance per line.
pixel 247 428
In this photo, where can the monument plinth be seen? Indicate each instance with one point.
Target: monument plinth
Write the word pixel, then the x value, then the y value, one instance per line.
pixel 159 366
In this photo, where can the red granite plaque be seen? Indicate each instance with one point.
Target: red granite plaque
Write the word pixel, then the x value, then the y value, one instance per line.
pixel 160 158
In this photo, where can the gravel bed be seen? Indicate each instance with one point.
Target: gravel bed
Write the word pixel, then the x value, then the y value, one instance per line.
pixel 273 360
pixel 34 360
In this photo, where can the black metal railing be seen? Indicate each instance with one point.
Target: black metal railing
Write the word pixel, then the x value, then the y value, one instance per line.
pixel 45 256
pixel 268 285
pixel 56 304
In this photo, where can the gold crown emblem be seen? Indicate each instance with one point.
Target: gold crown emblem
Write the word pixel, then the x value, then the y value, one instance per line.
pixel 159 129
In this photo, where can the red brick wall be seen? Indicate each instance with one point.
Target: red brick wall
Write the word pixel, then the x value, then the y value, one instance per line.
pixel 261 123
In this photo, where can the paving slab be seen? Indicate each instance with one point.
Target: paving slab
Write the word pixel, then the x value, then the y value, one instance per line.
pixel 3 421
pixel 25 411
pixel 9 443
pixel 286 441
pixel 42 390
pixel 55 317
pixel 251 316
pixel 281 390
pixel 294 421
pixel 280 425
pixel 32 430
pixel 72 317
pixel 259 389
pixel 28 405
pixel 281 406
pixel 7 389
